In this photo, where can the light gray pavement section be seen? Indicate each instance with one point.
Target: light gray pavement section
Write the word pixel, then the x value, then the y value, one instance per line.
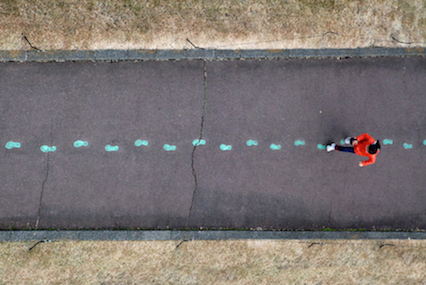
pixel 23 236
pixel 316 101
pixel 200 53
pixel 102 103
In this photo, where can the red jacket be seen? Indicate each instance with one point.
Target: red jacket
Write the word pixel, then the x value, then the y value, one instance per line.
pixel 365 140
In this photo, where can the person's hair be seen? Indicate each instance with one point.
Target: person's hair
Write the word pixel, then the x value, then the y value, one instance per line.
pixel 374 147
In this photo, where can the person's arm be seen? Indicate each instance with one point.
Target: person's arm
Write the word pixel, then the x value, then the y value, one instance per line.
pixel 371 160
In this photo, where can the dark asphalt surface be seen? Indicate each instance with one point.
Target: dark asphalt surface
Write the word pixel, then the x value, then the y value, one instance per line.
pixel 274 102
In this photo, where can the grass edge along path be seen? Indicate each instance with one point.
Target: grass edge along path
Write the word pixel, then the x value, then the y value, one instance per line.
pixel 214 262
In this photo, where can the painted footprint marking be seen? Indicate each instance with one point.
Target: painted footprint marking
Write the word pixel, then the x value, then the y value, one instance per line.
pixel 321 146
pixel 109 147
pixel 407 146
pixel 79 143
pixel 225 147
pixel 275 146
pixel 252 143
pixel 46 148
pixel 168 147
pixel 387 141
pixel 198 142
pixel 139 143
pixel 299 142
pixel 11 144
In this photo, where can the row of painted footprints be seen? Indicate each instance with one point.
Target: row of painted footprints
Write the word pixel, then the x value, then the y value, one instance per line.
pixel 197 142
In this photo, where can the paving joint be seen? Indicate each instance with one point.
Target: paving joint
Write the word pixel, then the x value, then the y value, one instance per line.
pixel 194 173
pixel 165 235
pixel 206 54
pixel 44 181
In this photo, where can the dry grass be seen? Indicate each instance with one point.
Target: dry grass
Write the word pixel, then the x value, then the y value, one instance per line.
pixel 214 262
pixel 224 24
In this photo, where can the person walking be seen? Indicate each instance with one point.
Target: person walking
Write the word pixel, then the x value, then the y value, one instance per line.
pixel 363 145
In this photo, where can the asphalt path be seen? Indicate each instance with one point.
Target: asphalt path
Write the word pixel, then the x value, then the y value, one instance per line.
pixel 137 166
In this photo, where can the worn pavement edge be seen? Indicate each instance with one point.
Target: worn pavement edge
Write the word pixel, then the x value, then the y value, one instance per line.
pixel 212 54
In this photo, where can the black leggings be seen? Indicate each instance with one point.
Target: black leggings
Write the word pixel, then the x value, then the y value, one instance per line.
pixel 345 148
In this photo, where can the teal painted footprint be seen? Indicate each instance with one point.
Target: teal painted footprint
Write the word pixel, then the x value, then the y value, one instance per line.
pixel 11 144
pixel 275 146
pixel 110 148
pixel 387 141
pixel 321 146
pixel 407 146
pixel 424 142
pixel 168 147
pixel 299 142
pixel 46 148
pixel 139 143
pixel 252 143
pixel 198 142
pixel 342 142
pixel 225 147
pixel 79 143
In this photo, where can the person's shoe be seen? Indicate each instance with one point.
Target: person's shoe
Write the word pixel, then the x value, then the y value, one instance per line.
pixel 331 147
pixel 348 140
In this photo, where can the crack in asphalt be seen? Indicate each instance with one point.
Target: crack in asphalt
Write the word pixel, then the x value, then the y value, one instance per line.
pixel 44 181
pixel 194 172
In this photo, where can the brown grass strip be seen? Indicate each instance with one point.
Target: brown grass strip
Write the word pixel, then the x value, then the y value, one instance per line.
pixel 223 24
pixel 215 262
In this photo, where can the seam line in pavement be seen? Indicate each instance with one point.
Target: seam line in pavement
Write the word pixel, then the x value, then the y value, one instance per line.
pixel 211 54
pixel 142 235
pixel 44 181
pixel 194 173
